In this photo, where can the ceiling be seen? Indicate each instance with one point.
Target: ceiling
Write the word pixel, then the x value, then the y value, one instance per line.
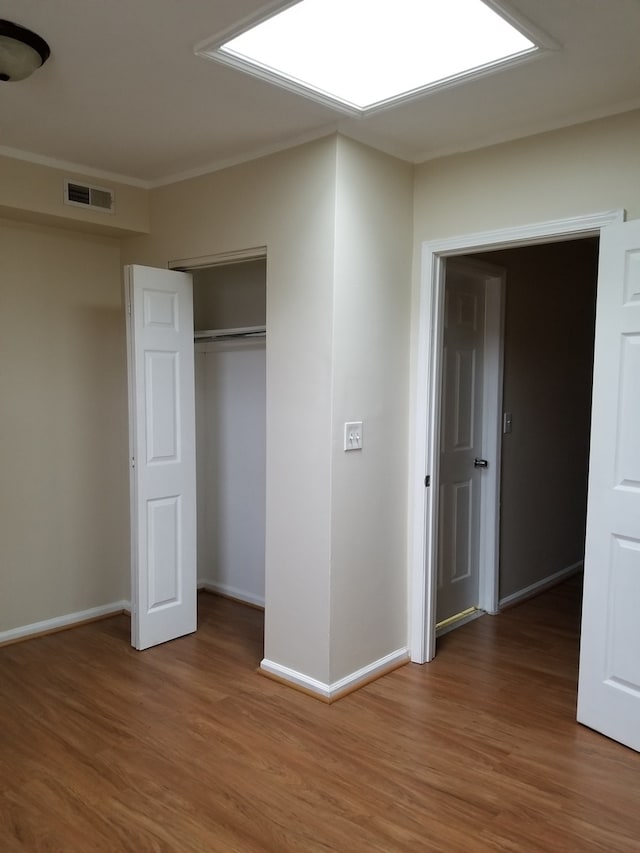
pixel 124 94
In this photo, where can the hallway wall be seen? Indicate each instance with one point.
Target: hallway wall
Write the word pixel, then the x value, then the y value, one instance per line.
pixel 548 365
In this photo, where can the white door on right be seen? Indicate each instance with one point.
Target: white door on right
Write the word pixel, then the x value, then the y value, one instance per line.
pixel 460 441
pixel 609 679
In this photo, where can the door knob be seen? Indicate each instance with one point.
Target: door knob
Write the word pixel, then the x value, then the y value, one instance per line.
pixel 480 463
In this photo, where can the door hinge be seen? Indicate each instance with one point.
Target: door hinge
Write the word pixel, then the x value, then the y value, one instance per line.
pixel 129 308
pixel 427 481
pixel 133 462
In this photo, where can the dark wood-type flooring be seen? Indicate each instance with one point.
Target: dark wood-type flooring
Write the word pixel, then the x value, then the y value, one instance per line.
pixel 185 748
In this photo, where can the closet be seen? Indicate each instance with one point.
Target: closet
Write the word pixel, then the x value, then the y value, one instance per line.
pixel 230 348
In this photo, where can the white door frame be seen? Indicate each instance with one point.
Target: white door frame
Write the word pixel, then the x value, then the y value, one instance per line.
pixel 425 417
pixel 239 256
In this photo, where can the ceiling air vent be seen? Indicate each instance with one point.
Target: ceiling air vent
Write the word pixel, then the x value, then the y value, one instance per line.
pixel 82 195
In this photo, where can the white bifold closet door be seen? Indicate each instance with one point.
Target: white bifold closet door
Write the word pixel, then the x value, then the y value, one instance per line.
pixel 162 447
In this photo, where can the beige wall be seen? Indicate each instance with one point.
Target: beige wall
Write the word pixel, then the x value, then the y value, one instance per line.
pixel 285 202
pixel 35 193
pixel 336 220
pixel 64 487
pixel 370 383
pixel 580 170
pixel 548 366
pixel 230 296
pixel 583 169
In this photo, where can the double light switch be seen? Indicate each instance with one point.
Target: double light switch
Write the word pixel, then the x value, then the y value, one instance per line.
pixel 353 435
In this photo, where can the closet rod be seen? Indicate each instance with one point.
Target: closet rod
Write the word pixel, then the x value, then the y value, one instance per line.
pixel 227 334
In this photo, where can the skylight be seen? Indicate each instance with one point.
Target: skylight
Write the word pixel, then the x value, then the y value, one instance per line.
pixel 364 54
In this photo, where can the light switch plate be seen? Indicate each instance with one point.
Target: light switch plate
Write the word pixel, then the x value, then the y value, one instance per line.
pixel 353 435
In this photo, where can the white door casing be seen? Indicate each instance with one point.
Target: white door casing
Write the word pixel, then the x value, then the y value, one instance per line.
pixel 609 680
pixel 426 405
pixel 162 448
pixel 459 480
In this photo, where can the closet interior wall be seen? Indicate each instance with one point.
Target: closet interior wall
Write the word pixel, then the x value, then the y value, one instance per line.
pixel 230 380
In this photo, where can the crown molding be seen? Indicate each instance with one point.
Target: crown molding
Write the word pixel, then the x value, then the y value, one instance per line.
pixel 247 157
pixel 76 168
pixel 527 133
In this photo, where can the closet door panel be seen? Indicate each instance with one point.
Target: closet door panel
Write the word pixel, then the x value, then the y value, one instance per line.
pixel 162 441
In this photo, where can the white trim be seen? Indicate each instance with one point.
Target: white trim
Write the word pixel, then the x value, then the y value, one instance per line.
pixel 240 256
pixel 220 343
pixel 209 168
pixel 212 48
pixel 266 11
pixel 303 138
pixel 215 53
pixel 366 673
pixel 523 24
pixel 349 682
pixel 296 678
pixel 552 231
pixel 248 157
pixel 50 625
pixel 236 330
pixel 539 586
pixel 76 168
pixel 231 592
pixel 477 142
pixel 425 415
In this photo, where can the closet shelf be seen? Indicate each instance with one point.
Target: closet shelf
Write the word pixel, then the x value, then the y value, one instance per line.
pixel 226 334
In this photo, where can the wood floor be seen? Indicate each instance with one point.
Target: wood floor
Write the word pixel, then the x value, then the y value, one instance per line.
pixel 186 748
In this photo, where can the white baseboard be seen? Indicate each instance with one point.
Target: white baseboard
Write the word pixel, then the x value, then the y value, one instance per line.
pixel 49 626
pixel 351 682
pixel 539 586
pixel 231 592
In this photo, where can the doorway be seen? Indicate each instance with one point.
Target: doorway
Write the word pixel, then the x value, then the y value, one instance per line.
pixel 545 424
pixel 229 302
pixel 547 390
pixel 427 377
pixel 549 330
pixel 165 479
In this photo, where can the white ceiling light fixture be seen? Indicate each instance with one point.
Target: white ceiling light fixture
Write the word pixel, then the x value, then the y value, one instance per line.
pixel 21 52
pixel 364 55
